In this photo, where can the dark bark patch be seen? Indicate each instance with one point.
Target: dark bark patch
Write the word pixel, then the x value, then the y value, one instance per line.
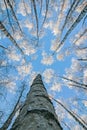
pixel 47 114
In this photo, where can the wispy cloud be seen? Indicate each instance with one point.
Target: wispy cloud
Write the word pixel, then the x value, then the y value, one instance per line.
pixel 47 59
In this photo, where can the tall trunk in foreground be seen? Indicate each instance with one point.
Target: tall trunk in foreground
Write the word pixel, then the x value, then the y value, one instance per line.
pixel 38 112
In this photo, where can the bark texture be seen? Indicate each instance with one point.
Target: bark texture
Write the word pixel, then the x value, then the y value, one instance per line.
pixel 38 112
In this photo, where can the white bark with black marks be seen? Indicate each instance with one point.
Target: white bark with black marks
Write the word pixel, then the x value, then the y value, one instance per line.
pixel 38 112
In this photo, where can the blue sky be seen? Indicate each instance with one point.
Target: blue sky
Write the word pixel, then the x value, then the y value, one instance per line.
pixel 42 59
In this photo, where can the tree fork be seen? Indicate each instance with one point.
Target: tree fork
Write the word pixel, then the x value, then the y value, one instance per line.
pixel 37 112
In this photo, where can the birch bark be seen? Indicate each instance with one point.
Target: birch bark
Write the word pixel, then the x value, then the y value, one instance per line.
pixel 38 112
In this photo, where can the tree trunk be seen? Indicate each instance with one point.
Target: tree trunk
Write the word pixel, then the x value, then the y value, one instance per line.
pixel 38 112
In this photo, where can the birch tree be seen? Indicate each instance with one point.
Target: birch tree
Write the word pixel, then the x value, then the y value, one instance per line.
pixel 37 112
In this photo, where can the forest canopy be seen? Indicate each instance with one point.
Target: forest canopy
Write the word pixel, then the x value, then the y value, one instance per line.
pixel 47 37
